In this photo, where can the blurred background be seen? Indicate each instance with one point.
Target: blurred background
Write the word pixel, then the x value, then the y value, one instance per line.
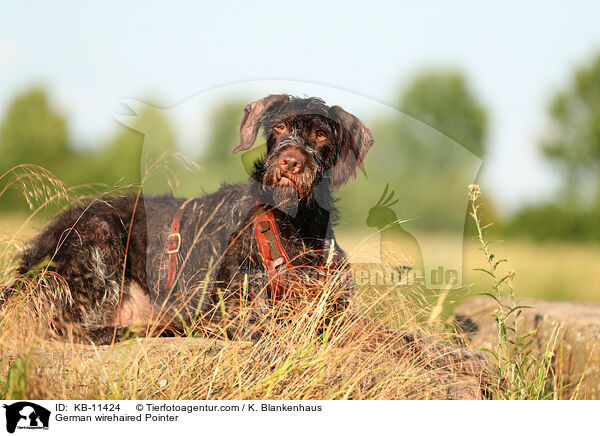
pixel 517 85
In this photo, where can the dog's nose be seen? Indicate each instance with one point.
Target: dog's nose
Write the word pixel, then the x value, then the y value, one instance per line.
pixel 291 162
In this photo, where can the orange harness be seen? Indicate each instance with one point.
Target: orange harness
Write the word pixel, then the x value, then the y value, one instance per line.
pixel 270 248
pixel 273 256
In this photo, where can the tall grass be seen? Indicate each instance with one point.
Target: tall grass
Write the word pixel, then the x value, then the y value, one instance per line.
pixel 520 372
pixel 293 359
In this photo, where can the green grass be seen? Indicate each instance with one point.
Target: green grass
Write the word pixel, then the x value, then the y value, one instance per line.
pixel 555 271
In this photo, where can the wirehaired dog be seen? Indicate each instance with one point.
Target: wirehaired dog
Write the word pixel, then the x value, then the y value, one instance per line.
pixel 133 260
pixel 116 254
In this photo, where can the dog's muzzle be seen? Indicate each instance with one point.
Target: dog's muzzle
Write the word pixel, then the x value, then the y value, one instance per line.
pixel 290 167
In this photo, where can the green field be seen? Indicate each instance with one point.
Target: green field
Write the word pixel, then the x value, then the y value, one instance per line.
pixel 551 271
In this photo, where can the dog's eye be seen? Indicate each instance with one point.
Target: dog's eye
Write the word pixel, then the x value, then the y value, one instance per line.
pixel 321 136
pixel 279 128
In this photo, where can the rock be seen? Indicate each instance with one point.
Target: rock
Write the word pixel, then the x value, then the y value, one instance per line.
pixel 577 351
pixel 460 387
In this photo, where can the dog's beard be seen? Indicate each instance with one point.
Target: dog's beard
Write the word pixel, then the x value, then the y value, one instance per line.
pixel 286 199
pixel 287 190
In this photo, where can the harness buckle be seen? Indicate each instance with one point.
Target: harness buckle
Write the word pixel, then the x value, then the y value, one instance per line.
pixel 176 241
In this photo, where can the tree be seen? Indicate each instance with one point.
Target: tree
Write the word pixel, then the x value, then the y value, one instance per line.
pixel 445 102
pixel 428 153
pixel 149 136
pixel 219 165
pixel 572 141
pixel 32 132
pixel 224 134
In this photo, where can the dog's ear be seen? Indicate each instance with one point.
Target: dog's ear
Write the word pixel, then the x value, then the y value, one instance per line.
pixel 353 141
pixel 251 119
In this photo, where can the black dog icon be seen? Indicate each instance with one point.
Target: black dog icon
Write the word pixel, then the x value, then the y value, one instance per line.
pixel 27 414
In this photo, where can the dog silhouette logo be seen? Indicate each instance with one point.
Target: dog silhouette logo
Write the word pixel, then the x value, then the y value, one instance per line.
pixel 26 415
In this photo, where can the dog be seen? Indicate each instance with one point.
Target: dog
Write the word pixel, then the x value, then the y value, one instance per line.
pixel 133 261
pixel 114 253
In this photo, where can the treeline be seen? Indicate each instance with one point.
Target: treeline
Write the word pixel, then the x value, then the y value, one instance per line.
pixel 571 141
pixel 426 155
pixel 35 132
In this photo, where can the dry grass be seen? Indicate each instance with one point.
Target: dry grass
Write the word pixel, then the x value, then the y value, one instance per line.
pixel 293 359
pixel 290 363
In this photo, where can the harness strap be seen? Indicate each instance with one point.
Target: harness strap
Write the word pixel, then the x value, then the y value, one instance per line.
pixel 174 243
pixel 271 250
pixel 273 254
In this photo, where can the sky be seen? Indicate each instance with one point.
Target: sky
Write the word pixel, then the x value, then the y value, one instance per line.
pixel 516 55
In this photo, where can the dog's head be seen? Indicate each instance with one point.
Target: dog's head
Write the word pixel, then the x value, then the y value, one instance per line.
pixel 308 142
